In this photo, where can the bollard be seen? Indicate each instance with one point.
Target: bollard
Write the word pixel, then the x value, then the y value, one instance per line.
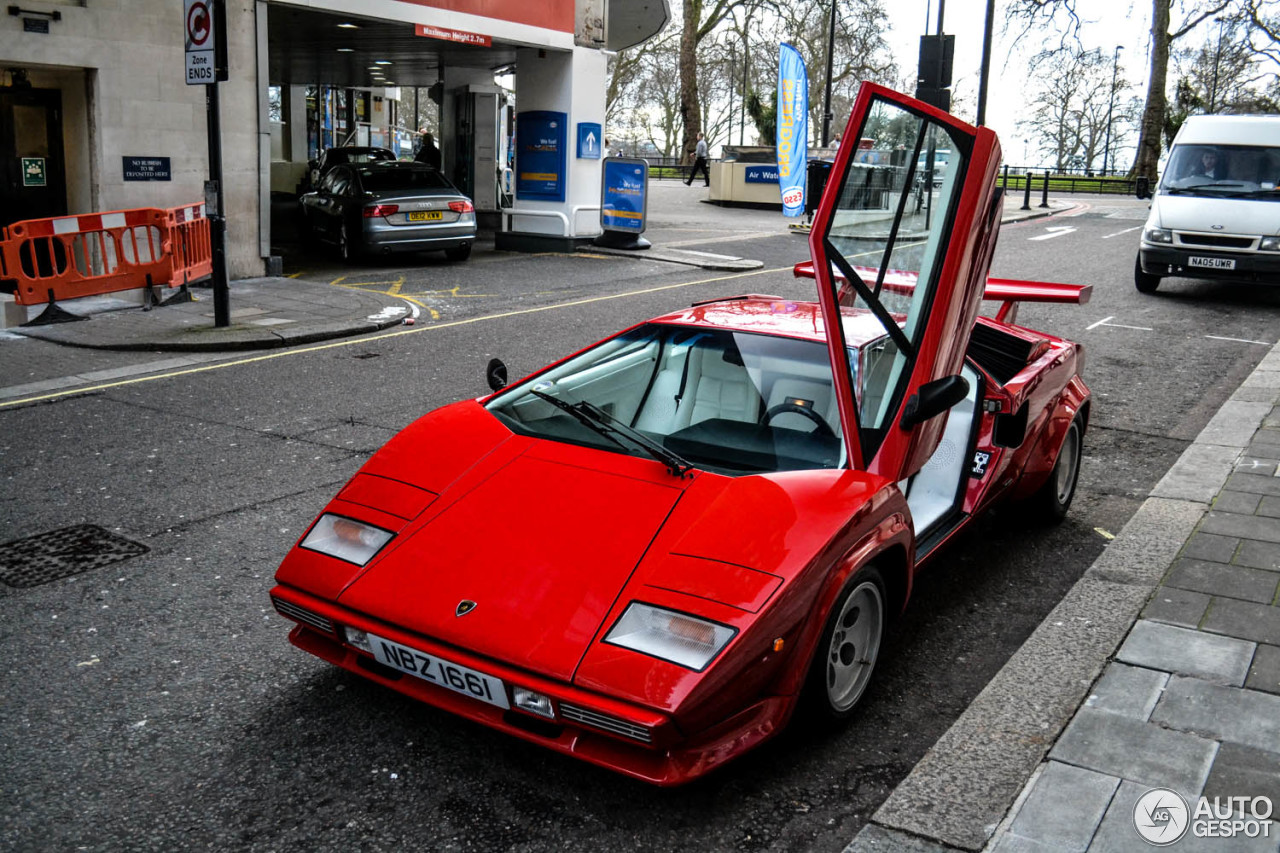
pixel 1044 196
pixel 1026 191
pixel 1004 181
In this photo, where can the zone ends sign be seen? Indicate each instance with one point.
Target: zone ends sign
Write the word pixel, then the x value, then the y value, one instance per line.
pixel 205 37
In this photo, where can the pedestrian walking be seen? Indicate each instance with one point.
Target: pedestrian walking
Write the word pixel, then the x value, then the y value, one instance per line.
pixel 699 162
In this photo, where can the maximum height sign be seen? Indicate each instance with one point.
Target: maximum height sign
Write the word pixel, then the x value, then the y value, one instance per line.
pixel 205 37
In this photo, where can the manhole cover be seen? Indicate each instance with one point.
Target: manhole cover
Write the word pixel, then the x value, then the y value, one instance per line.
pixel 62 553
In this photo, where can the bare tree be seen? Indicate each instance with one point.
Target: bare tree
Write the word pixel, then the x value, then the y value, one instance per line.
pixel 1029 14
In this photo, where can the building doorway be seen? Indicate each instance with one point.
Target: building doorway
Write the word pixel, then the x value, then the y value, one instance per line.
pixel 33 183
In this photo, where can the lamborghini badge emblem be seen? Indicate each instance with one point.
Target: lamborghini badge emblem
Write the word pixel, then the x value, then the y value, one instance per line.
pixel 465 606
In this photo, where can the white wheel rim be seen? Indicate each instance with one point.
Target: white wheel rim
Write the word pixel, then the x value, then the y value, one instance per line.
pixel 854 645
pixel 1068 459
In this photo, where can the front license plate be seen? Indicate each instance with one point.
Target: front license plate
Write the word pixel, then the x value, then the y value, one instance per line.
pixel 438 671
pixel 426 216
pixel 1212 263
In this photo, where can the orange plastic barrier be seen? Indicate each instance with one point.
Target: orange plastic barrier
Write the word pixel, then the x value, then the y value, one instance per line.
pixel 90 254
pixel 189 247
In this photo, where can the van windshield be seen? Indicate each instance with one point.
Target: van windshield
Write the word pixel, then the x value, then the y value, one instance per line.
pixel 1223 170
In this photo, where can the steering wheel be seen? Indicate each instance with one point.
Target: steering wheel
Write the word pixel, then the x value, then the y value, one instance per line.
pixel 823 430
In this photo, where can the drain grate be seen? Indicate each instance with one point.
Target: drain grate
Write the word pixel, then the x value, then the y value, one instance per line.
pixel 62 553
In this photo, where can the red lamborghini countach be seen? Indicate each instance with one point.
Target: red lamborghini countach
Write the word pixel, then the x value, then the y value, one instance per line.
pixel 707 520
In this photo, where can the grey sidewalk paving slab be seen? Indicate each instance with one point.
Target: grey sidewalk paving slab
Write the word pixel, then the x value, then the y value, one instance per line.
pixel 1064 807
pixel 1241 503
pixel 1148 543
pixel 1222 660
pixel 1244 619
pixel 1243 526
pixel 1117 833
pixel 1129 691
pixel 1210 546
pixel 1258 555
pixel 1177 607
pixel 1224 580
pixel 1240 771
pixel 1134 750
pixel 1246 717
pixel 1264 673
pixel 1262 484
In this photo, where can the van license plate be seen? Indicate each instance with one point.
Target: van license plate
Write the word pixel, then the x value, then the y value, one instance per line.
pixel 1212 263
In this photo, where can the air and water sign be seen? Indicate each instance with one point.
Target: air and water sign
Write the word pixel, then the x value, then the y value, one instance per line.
pixel 624 195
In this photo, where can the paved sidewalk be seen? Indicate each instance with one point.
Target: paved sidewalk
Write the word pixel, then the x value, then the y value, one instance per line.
pixel 1180 618
pixel 265 313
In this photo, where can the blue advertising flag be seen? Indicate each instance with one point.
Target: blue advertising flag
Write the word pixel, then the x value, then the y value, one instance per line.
pixel 793 129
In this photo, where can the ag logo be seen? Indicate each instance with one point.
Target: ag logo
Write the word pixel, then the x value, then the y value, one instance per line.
pixel 1161 817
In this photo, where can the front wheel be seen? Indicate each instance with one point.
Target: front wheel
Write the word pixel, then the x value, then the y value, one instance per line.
pixel 850 644
pixel 1144 281
pixel 1053 499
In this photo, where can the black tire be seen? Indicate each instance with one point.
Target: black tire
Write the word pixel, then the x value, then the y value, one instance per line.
pixel 1052 500
pixel 1145 282
pixel 458 253
pixel 846 655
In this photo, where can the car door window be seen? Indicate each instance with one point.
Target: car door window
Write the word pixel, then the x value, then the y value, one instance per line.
pixel 887 237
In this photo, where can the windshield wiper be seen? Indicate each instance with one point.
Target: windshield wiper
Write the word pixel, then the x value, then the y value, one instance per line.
pixel 600 421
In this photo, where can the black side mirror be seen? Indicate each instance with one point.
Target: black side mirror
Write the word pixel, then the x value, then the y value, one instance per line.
pixel 496 374
pixel 933 399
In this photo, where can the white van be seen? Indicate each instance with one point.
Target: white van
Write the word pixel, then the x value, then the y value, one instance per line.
pixel 1216 213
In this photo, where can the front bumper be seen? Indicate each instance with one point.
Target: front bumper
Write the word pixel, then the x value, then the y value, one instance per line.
pixel 671 758
pixel 1260 267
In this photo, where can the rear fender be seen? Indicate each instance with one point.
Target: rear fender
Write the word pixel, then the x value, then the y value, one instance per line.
pixel 1043 455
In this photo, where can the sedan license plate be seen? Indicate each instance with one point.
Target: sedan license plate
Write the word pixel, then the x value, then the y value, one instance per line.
pixel 426 216
pixel 451 676
pixel 1212 263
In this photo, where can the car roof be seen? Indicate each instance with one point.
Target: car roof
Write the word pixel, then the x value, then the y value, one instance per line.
pixel 772 315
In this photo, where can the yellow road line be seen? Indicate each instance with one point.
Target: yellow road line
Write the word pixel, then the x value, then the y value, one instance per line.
pixel 366 339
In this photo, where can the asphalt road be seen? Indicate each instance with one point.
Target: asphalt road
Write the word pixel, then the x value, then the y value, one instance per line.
pixel 155 704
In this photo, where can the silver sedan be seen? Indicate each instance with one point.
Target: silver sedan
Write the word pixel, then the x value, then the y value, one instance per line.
pixel 380 208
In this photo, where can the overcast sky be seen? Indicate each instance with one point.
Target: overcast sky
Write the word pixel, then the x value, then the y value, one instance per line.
pixel 1106 23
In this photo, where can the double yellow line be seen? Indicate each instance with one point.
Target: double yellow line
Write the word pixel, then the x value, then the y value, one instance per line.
pixel 366 339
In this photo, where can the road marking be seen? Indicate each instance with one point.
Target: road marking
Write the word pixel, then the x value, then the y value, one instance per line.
pixel 359 340
pixel 1125 231
pixel 1239 340
pixel 1055 231
pixel 1106 321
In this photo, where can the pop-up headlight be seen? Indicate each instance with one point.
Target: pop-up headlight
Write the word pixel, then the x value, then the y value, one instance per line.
pixel 346 539
pixel 685 640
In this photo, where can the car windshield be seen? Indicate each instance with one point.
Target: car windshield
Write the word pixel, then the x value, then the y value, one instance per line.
pixel 1223 170
pixel 402 177
pixel 730 402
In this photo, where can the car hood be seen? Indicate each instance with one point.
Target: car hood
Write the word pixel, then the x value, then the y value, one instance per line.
pixel 543 546
pixel 1199 213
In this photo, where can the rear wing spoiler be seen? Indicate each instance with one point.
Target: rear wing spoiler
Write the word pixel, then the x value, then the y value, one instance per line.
pixel 1008 291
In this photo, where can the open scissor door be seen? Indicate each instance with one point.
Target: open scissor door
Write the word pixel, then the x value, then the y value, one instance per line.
pixel 902 242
